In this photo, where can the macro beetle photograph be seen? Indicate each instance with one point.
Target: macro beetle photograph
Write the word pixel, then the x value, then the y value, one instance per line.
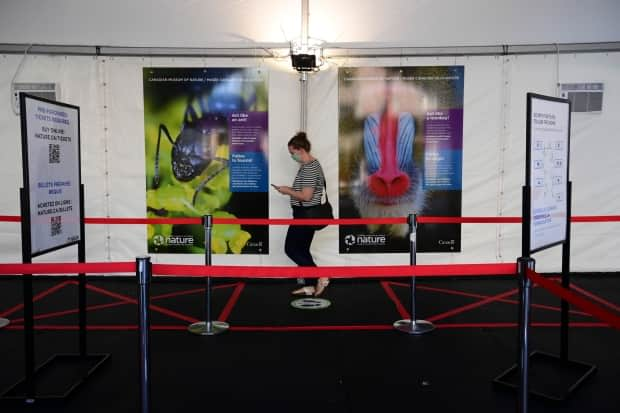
pixel 187 155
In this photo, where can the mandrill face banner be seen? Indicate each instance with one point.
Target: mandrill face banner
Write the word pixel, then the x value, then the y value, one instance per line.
pixel 400 152
pixel 390 183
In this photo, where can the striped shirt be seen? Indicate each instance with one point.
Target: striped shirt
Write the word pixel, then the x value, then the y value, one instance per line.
pixel 309 175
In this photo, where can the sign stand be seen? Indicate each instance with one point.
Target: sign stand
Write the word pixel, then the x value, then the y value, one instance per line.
pixel 57 377
pixel 546 215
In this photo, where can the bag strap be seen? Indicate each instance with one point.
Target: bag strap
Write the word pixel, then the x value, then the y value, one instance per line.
pixel 324 190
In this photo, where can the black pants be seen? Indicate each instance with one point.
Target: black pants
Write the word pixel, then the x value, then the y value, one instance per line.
pixel 298 241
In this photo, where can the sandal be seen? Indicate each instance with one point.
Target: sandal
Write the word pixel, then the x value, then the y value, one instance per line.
pixel 321 285
pixel 307 290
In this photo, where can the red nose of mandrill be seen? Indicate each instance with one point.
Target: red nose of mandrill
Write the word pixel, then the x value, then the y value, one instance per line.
pixel 389 181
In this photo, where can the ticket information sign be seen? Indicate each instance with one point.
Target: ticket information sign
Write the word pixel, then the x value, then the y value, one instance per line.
pixel 51 166
pixel 548 133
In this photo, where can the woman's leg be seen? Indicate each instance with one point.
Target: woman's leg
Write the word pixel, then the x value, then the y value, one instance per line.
pixel 297 245
pixel 321 285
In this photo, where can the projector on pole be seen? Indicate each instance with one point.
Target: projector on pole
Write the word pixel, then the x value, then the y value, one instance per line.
pixel 304 62
pixel 306 55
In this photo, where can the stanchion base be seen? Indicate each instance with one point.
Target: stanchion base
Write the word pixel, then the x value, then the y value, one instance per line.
pixel 310 303
pixel 4 322
pixel 550 377
pixel 57 378
pixel 202 328
pixel 416 327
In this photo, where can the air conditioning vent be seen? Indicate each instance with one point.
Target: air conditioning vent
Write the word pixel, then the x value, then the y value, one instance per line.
pixel 49 91
pixel 584 97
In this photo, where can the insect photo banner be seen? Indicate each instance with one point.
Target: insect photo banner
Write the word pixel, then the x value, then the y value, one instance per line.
pixel 206 143
pixel 400 152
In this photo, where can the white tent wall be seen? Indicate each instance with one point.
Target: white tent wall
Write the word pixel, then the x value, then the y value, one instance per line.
pixel 483 138
pixel 108 91
pixel 594 167
pixel 522 74
pixel 10 162
pixel 124 182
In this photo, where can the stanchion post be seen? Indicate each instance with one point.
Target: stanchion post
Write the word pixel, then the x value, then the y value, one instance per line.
pixel 524 263
pixel 208 327
pixel 207 226
pixel 413 250
pixel 143 273
pixel 82 278
pixel 413 325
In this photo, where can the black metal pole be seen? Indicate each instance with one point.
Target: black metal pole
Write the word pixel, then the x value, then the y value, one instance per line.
pixel 566 277
pixel 82 278
pixel 411 220
pixel 525 253
pixel 525 223
pixel 208 327
pixel 524 263
pixel 207 222
pixel 143 273
pixel 413 326
pixel 27 296
pixel 28 337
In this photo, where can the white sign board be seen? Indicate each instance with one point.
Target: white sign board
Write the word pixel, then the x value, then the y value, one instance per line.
pixel 51 157
pixel 548 149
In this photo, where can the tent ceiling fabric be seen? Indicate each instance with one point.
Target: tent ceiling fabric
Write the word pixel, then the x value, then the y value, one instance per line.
pixel 234 24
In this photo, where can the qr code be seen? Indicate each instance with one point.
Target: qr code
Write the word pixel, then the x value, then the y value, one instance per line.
pixel 54 153
pixel 56 225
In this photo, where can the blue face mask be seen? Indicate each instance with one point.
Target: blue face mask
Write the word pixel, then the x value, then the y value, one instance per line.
pixel 296 157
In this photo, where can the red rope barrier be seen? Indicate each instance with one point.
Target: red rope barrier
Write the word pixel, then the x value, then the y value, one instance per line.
pixel 596 218
pixel 248 221
pixel 236 271
pixel 101 220
pixel 468 220
pixel 336 221
pixel 578 301
pixel 222 271
pixel 68 268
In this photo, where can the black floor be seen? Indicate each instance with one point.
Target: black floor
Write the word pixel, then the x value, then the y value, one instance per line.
pixel 275 358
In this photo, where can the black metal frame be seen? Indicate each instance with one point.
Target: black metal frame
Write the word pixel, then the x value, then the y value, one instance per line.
pixel 567 372
pixel 33 386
